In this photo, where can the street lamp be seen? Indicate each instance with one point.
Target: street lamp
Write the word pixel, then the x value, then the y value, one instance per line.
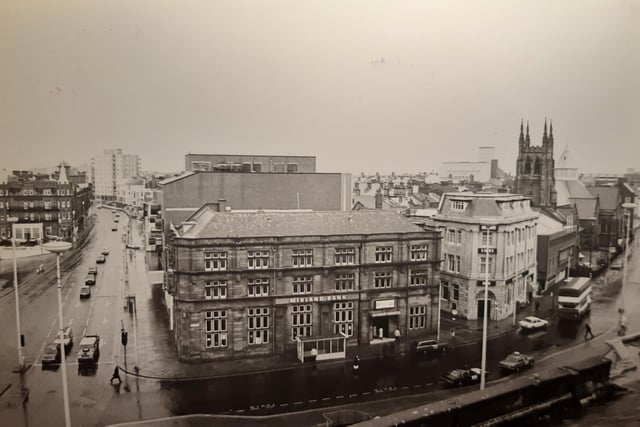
pixel 628 207
pixel 59 248
pixel 21 366
pixel 485 250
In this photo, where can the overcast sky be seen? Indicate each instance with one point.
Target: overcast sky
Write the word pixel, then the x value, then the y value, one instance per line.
pixel 363 85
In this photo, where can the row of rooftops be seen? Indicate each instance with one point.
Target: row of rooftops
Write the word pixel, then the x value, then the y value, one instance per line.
pixel 208 222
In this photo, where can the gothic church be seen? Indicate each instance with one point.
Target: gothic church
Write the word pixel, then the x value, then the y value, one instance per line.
pixel 535 168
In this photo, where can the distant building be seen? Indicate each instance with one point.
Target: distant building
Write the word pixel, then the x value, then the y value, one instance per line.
pixel 535 169
pixel 183 195
pixel 255 284
pixel 131 192
pixel 611 216
pixel 111 167
pixel 557 249
pixel 483 170
pixel 44 207
pixel 249 163
pixel 486 237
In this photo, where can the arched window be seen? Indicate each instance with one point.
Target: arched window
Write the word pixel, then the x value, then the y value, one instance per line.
pixel 527 166
pixel 537 168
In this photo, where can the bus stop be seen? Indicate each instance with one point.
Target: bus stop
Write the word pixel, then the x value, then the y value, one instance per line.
pixel 317 349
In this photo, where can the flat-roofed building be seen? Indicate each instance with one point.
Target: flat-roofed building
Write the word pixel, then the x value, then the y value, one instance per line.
pixel 249 163
pixel 248 284
pixel 487 236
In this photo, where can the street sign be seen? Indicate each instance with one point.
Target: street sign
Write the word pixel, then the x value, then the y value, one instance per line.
pixel 490 251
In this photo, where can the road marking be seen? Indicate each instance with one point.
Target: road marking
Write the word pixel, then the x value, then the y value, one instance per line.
pixel 353 395
pixel 104 321
pixel 77 304
pixel 84 331
pixel 71 321
pixel 312 400
pixel 404 388
pixel 340 397
pixel 326 398
pixel 366 393
pixel 298 402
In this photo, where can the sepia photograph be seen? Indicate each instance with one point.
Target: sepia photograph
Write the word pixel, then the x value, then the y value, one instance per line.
pixel 319 213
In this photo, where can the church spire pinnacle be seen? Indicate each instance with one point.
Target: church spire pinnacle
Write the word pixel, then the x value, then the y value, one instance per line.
pixel 544 136
pixel 521 139
pixel 526 139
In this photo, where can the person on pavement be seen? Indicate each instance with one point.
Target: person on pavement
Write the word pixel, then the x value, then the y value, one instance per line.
pixel 587 332
pixel 116 375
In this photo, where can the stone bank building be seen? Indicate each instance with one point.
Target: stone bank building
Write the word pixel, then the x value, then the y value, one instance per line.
pixel 256 283
pixel 490 237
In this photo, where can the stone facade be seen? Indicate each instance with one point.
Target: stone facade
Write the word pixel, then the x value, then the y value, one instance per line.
pixel 535 169
pixel 510 247
pixel 313 285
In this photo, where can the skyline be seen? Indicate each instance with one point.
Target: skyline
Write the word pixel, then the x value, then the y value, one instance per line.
pixel 363 86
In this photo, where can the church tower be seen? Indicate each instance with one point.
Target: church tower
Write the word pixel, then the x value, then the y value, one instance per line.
pixel 535 168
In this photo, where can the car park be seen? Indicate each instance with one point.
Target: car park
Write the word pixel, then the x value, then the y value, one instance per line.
pixel 462 377
pixel 90 279
pixel 516 361
pixel 532 323
pixel 429 347
pixel 105 251
pixel 85 292
pixel 89 351
pixel 100 259
pixel 65 337
pixel 51 355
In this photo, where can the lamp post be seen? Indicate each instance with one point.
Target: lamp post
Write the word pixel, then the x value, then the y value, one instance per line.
pixel 486 249
pixel 58 248
pixel 628 207
pixel 21 365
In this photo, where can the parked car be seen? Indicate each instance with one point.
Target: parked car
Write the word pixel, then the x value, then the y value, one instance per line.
pixel 89 351
pixel 90 279
pixel 114 228
pixel 100 259
pixel 462 377
pixel 132 246
pixel 116 220
pixel 51 355
pixel 65 337
pixel 516 361
pixel 430 347
pixel 93 270
pixel 85 292
pixel 105 251
pixel 532 323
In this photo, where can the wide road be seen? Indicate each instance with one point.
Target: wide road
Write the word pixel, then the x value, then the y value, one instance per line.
pixel 100 314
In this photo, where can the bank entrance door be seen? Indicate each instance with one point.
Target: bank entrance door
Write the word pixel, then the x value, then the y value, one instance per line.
pixel 381 326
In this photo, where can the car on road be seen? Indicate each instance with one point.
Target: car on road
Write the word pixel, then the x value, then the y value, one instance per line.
pixel 100 259
pixel 428 347
pixel 51 355
pixel 105 251
pixel 116 220
pixel 532 323
pixel 114 228
pixel 93 270
pixel 516 361
pixel 90 279
pixel 65 337
pixel 89 351
pixel 462 377
pixel 132 246
pixel 85 292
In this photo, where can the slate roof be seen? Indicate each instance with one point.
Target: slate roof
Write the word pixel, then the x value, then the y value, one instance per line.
pixel 211 224
pixel 586 207
pixel 608 197
pixel 568 189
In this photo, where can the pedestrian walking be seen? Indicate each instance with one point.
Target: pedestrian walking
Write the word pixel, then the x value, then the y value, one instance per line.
pixel 116 375
pixel 397 335
pixel 587 332
pixel 536 306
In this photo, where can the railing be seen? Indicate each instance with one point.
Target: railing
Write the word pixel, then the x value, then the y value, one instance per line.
pixel 344 417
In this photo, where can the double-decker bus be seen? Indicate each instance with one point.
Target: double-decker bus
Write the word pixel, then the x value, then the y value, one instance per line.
pixel 574 298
